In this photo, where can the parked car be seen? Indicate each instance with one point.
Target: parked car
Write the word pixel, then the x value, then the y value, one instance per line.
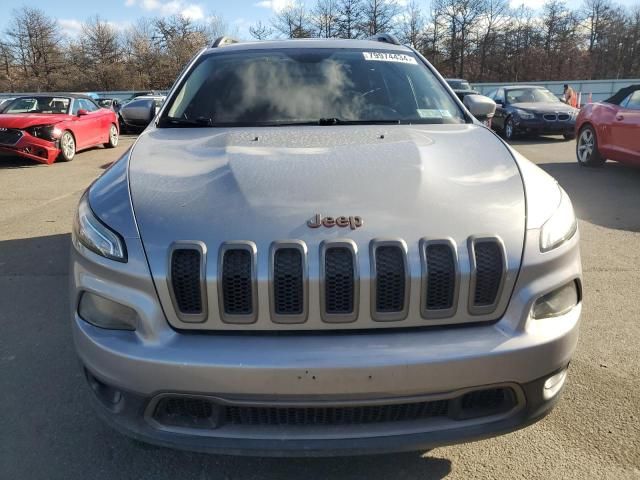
pixel 315 249
pixel 136 114
pixel 524 109
pixel 461 87
pixel 610 130
pixel 49 127
pixel 111 103
pixel 4 102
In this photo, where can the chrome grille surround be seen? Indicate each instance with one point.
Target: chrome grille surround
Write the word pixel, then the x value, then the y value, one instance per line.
pixel 201 248
pixel 276 316
pixel 432 313
pixel 352 248
pixel 483 308
pixel 252 315
pixel 375 247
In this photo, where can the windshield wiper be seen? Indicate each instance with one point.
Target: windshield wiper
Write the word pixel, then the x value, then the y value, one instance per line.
pixel 185 122
pixel 338 121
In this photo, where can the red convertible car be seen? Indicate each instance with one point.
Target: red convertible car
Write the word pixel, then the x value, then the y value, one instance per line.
pixel 610 130
pixel 49 127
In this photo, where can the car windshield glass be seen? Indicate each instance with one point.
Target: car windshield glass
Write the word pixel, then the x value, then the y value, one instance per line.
pixel 310 86
pixel 531 95
pixel 459 84
pixel 38 105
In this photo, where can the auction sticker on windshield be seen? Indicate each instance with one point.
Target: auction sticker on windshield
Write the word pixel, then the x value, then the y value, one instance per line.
pixel 389 57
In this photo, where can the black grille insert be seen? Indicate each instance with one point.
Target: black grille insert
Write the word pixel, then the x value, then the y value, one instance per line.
pixel 186 280
pixel 237 282
pixel 390 279
pixel 202 412
pixel 288 281
pixel 334 416
pixel 489 272
pixel 10 136
pixel 339 280
pixel 441 277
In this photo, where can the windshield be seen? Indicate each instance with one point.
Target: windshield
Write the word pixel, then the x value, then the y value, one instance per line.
pixel 38 105
pixel 308 86
pixel 531 95
pixel 459 84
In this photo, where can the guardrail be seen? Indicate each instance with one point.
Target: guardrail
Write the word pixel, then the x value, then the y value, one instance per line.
pixel 599 89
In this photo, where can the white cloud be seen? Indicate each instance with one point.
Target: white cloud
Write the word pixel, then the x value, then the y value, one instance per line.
pixel 275 5
pixel 190 10
pixel 70 27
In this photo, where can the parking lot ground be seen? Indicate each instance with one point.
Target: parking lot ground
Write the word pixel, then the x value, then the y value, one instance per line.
pixel 48 430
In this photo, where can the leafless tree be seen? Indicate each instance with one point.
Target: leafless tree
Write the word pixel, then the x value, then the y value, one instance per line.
pixel 260 31
pixel 411 25
pixel 324 18
pixel 379 16
pixel 350 15
pixel 293 21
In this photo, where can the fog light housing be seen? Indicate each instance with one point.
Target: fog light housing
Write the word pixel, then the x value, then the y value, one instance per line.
pixel 554 384
pixel 558 302
pixel 104 313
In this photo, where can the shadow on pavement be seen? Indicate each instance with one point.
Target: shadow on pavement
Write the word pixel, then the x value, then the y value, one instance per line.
pixel 49 429
pixel 11 161
pixel 607 196
pixel 542 140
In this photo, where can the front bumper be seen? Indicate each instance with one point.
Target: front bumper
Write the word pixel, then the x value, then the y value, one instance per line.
pixel 330 367
pixel 539 126
pixel 33 148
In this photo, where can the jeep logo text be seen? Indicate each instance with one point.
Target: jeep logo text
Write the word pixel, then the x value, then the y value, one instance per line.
pixel 320 221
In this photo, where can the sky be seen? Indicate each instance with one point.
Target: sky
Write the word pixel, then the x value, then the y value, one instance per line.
pixel 239 14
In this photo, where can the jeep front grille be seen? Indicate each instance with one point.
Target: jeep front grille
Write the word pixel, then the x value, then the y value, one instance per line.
pixel 391 289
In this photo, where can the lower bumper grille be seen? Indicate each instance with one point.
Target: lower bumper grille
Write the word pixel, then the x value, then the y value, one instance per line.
pixel 201 412
pixel 10 136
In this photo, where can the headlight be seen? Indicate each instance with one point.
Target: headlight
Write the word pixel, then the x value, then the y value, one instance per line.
pixel 560 227
pixel 524 114
pixel 95 235
pixel 46 132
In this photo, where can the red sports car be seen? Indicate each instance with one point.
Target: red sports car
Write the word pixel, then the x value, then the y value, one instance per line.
pixel 49 127
pixel 610 130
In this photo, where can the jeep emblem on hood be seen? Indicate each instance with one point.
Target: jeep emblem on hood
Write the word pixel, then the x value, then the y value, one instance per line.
pixel 319 221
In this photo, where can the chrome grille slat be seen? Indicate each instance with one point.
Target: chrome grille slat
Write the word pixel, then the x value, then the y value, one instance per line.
pixel 488 270
pixel 440 278
pixel 288 289
pixel 389 280
pixel 339 281
pixel 186 280
pixel 237 284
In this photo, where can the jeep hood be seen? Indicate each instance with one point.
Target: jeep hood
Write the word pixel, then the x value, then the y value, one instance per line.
pixel 264 184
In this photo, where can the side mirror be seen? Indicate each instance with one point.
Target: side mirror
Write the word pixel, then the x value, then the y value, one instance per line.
pixel 481 107
pixel 152 111
pixel 82 112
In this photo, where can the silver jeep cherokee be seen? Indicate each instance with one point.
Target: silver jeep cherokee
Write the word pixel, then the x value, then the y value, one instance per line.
pixel 316 249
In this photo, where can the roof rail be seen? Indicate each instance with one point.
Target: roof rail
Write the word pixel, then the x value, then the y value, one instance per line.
pixel 384 38
pixel 223 41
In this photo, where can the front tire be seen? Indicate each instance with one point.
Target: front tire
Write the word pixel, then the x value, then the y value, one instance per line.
pixel 587 152
pixel 67 147
pixel 113 137
pixel 509 129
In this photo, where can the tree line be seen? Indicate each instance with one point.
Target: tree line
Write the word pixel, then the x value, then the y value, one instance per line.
pixel 481 40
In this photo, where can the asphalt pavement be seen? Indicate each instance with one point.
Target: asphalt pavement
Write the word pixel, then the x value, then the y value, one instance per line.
pixel 49 431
